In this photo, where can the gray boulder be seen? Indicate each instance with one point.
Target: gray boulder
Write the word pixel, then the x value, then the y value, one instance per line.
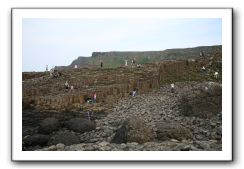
pixel 37 139
pixel 139 131
pixel 49 125
pixel 80 125
pixel 65 137
pixel 172 130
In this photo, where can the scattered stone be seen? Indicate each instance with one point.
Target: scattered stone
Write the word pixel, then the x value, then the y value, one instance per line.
pixel 147 122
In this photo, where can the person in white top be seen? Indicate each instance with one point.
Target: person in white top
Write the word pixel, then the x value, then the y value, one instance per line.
pixel 126 64
pixel 216 75
pixel 71 87
pixel 172 87
pixel 134 92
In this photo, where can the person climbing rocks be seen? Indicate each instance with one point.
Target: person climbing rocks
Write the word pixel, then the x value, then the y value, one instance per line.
pixel 94 98
pixel 134 92
pixel 204 70
pixel 66 85
pixel 172 88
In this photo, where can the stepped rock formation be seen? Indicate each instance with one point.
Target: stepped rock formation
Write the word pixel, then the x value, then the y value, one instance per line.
pixel 47 94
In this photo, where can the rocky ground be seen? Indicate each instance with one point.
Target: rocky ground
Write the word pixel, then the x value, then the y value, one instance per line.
pixel 188 119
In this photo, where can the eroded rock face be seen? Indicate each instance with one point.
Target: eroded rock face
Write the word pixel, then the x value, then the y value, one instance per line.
pixel 65 137
pixel 80 125
pixel 203 101
pixel 49 125
pixel 172 130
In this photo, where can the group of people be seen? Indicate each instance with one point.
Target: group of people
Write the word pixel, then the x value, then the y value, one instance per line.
pixel 53 72
pixel 67 86
pixel 205 72
pixel 133 62
pixel 133 93
pixel 71 88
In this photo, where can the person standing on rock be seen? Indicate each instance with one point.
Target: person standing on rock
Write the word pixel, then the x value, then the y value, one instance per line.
pixel 216 75
pixel 101 63
pixel 94 98
pixel 71 87
pixel 133 62
pixel 51 72
pixel 172 88
pixel 126 64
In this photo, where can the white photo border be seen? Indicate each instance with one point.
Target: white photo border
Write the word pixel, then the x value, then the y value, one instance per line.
pixel 17 14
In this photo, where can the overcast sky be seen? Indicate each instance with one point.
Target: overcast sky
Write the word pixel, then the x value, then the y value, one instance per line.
pixel 57 42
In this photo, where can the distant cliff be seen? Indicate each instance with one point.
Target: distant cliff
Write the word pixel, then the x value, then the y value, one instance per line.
pixel 117 58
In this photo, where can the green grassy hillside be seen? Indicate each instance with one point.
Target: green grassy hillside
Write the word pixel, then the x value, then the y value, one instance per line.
pixel 117 59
